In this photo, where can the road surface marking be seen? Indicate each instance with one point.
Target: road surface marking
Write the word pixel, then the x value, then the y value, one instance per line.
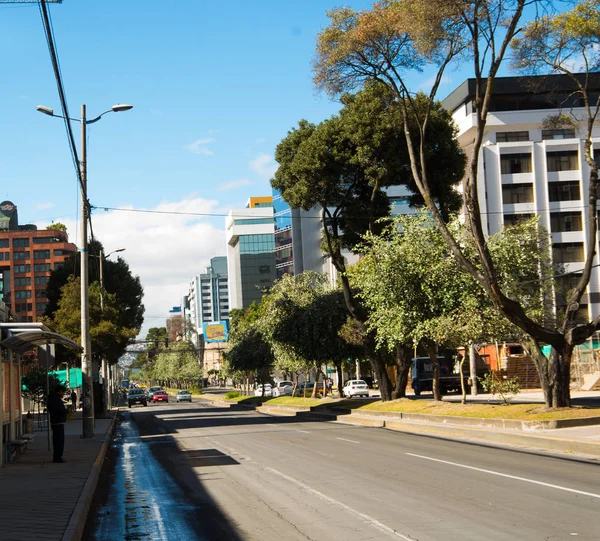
pixel 367 518
pixel 303 431
pixel 272 424
pixel 492 472
pixel 344 439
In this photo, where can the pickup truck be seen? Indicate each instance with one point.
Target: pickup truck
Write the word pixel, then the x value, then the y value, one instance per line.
pixel 421 376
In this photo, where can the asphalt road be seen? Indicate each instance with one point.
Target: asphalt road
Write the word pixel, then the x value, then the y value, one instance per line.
pixel 195 471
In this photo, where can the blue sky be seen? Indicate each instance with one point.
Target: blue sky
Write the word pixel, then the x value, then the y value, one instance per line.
pixel 215 86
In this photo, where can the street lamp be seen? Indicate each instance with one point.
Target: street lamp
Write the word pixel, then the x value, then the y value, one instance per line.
pixel 86 357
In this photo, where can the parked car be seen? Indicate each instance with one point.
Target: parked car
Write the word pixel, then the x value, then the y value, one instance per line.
pixel 264 390
pixel 183 396
pixel 136 396
pixel 309 387
pixel 356 387
pixel 283 388
pixel 152 390
pixel 160 396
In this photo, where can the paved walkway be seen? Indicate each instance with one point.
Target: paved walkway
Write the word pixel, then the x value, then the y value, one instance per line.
pixel 43 501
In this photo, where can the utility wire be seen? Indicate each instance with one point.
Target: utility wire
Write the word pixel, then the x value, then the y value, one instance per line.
pixel 50 41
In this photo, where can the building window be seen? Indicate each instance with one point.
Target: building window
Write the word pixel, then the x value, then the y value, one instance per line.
pixel 253 221
pixel 517 193
pixel 565 160
pixel 565 221
pixel 20 255
pixel 511 136
pixel 515 163
pixel 4 243
pixel 564 191
pixel 568 252
pixel 46 240
pixel 558 134
pixel 514 219
pixel 41 254
pixel 7 256
pixel 42 267
pixel 20 243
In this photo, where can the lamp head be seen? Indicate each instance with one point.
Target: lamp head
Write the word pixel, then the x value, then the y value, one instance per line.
pixel 45 110
pixel 121 107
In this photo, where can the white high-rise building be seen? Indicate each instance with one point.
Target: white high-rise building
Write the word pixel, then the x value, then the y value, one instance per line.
pixel 250 251
pixel 527 170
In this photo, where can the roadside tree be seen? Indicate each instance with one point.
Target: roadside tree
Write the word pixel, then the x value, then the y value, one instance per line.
pixel 343 165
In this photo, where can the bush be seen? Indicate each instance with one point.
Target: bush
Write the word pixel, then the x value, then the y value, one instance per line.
pixel 495 383
pixel 231 395
pixel 195 389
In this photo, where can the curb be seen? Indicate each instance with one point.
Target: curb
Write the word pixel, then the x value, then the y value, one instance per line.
pixel 497 438
pixel 76 525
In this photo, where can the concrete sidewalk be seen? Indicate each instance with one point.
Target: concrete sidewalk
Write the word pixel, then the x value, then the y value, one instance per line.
pixel 49 502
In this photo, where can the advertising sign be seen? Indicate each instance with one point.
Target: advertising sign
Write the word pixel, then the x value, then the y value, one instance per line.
pixel 216 332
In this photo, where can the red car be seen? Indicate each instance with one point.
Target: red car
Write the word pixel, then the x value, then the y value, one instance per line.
pixel 160 396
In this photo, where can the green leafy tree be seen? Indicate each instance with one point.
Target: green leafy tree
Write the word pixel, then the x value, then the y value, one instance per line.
pixel 417 293
pixel 249 353
pixel 303 318
pixel 342 166
pixel 108 337
pixel 35 385
pixel 117 279
pixel 57 227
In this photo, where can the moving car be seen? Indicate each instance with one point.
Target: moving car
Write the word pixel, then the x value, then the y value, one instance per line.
pixel 152 390
pixel 264 390
pixel 183 396
pixel 160 396
pixel 283 388
pixel 136 396
pixel 356 387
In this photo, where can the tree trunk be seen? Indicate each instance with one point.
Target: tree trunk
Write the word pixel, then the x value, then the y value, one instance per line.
pixel 435 384
pixel 555 375
pixel 314 393
pixel 340 378
pixel 403 362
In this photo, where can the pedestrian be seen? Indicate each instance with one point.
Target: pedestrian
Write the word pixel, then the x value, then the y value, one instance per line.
pixel 74 400
pixel 58 418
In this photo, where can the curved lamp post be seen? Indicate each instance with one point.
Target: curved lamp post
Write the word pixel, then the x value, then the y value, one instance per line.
pixel 86 357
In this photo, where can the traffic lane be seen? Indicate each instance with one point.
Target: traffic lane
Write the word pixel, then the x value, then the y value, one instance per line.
pixel 273 511
pixel 412 469
pixel 138 499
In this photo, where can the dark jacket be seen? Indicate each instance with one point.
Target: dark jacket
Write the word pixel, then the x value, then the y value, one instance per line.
pixel 56 408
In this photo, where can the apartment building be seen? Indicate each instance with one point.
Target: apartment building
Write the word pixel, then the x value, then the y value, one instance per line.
pixel 27 257
pixel 528 169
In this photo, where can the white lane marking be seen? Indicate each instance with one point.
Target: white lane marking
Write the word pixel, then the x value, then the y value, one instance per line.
pixel 367 518
pixel 492 472
pixel 344 439
pixel 303 431
pixel 272 424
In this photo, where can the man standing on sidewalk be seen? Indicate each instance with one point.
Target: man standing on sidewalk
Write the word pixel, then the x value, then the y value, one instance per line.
pixel 58 418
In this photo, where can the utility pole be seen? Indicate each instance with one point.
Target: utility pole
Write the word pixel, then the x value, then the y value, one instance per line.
pixel 87 379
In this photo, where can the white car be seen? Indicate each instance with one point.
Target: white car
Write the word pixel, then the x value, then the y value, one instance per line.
pixel 356 387
pixel 283 388
pixel 183 396
pixel 268 390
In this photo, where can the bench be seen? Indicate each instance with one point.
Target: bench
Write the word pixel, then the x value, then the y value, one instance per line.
pixel 16 447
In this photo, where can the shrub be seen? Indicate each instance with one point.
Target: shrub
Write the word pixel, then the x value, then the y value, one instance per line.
pixel 195 389
pixel 231 395
pixel 495 383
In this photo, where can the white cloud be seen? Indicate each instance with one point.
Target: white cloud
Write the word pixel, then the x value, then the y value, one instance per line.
pixel 45 205
pixel 165 250
pixel 264 166
pixel 234 184
pixel 199 146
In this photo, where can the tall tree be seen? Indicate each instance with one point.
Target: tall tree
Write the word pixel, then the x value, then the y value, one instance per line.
pixel 117 279
pixel 394 39
pixel 342 166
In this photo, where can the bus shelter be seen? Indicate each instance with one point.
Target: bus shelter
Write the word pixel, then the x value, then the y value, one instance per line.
pixel 16 340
